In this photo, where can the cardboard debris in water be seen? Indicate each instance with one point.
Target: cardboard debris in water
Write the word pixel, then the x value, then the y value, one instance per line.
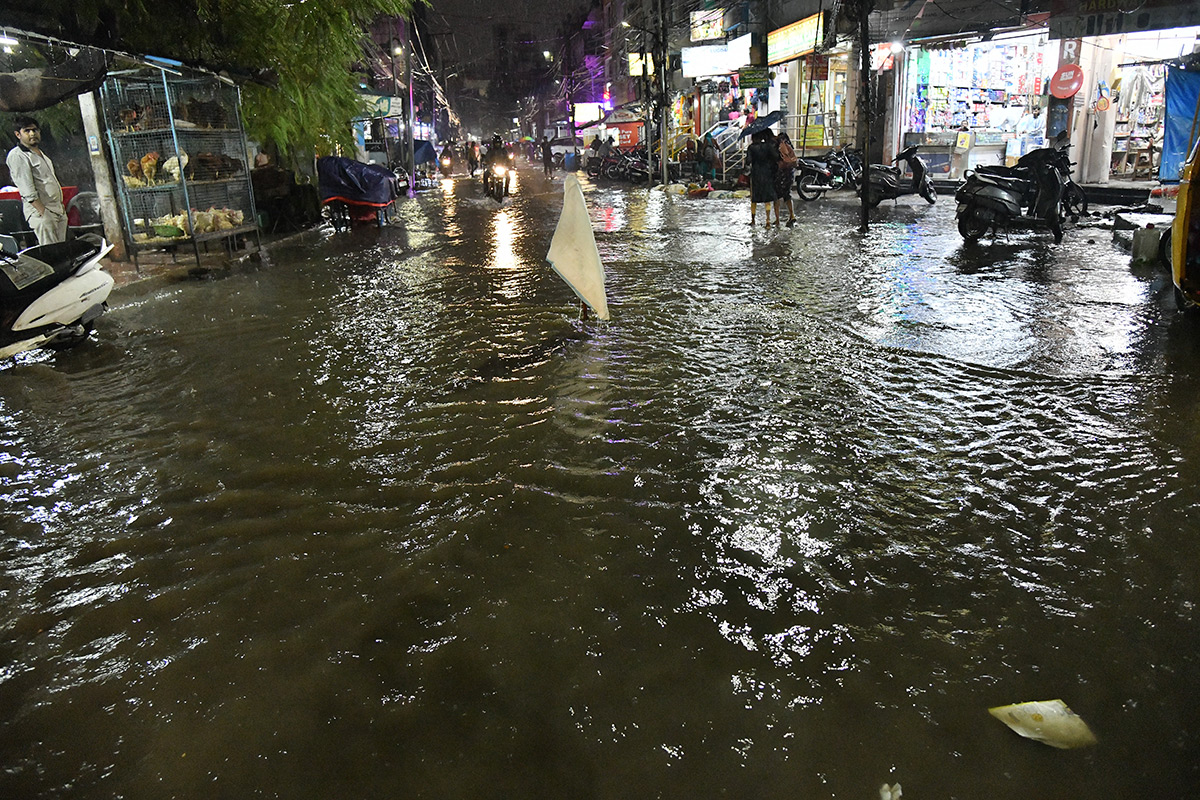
pixel 573 253
pixel 1047 721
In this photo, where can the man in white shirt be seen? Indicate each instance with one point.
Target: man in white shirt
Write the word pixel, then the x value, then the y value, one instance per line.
pixel 32 173
pixel 1032 123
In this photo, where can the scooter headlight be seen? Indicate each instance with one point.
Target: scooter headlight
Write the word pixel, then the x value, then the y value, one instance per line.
pixel 500 170
pixel 445 162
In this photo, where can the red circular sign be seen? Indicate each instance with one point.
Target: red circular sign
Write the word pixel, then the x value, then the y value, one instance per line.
pixel 1067 81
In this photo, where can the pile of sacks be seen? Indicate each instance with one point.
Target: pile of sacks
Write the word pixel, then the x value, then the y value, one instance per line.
pixel 211 221
pixel 697 191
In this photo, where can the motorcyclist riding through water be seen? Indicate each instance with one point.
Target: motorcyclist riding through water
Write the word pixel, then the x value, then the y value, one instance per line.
pixel 497 150
pixel 497 164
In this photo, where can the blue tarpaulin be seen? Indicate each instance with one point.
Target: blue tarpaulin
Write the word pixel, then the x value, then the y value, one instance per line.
pixel 1182 124
pixel 423 151
pixel 355 183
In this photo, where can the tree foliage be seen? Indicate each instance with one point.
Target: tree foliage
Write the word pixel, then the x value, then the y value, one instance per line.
pixel 294 59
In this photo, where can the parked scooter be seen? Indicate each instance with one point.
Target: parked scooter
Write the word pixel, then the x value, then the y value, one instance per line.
pixel 51 294
pixel 885 179
pixel 1032 192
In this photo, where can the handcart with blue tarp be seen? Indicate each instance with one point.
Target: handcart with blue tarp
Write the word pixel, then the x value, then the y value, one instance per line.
pixel 357 193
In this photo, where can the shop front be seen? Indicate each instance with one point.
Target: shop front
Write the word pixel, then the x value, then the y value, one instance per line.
pixel 971 104
pixel 1137 99
pixel 816 101
pixel 718 94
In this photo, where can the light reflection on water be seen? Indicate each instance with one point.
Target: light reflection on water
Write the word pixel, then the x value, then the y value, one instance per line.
pixel 385 517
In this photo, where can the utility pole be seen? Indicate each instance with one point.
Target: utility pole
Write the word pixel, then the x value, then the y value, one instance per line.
pixel 647 115
pixel 864 108
pixel 664 110
pixel 102 173
pixel 412 116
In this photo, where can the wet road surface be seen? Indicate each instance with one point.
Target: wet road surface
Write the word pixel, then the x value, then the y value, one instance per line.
pixel 382 518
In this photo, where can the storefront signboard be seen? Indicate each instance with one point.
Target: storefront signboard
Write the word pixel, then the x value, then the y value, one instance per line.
pixel 1074 19
pixel 818 67
pixel 754 78
pixel 628 134
pixel 382 105
pixel 715 59
pixel 795 40
pixel 708 25
pixel 1067 81
pixel 641 67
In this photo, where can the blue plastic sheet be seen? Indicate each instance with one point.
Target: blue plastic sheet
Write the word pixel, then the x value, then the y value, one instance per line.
pixel 353 182
pixel 423 151
pixel 1182 124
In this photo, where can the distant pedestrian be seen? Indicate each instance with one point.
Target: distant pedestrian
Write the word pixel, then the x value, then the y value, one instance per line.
pixel 32 173
pixel 547 158
pixel 764 166
pixel 787 173
pixel 708 158
pixel 472 156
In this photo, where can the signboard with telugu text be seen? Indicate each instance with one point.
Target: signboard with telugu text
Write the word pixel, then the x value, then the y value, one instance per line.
pixel 754 78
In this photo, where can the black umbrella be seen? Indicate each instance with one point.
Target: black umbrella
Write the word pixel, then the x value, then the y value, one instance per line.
pixel 762 123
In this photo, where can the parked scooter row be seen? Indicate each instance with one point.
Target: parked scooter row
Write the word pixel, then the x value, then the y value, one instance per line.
pixel 1037 191
pixel 618 166
pixel 842 168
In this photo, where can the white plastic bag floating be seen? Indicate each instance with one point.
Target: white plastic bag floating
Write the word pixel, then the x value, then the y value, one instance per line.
pixel 890 792
pixel 1047 721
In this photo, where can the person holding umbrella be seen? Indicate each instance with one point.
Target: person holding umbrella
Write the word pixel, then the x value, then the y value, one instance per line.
pixel 763 157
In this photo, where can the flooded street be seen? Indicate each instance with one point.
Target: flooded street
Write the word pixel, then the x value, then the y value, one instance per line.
pixel 382 518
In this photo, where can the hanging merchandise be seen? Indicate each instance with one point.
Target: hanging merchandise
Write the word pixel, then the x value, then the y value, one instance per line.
pixel 1135 91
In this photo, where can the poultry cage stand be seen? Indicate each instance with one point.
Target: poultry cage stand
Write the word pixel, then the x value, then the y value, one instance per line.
pixel 179 148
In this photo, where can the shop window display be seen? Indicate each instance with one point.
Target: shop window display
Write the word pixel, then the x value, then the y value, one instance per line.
pixel 963 103
pixel 983 87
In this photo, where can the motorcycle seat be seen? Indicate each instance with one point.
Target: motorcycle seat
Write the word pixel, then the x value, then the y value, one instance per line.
pixel 891 168
pixel 998 170
pixel 1010 182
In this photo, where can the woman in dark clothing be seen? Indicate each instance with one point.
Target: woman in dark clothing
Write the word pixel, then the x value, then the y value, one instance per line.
pixel 764 165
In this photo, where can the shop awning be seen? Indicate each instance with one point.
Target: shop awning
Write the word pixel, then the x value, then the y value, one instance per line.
pixel 909 20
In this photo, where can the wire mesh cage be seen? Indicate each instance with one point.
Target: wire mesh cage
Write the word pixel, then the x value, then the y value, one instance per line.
pixel 180 150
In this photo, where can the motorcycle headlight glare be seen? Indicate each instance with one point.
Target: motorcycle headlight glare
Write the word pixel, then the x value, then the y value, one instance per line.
pixel 500 170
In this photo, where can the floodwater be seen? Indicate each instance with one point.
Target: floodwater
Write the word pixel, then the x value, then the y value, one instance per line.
pixel 381 518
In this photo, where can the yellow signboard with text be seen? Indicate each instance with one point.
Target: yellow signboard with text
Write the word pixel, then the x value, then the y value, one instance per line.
pixel 795 40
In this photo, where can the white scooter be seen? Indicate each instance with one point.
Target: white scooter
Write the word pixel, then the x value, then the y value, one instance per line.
pixel 50 295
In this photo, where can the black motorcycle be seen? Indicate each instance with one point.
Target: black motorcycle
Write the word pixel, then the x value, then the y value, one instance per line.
pixel 813 178
pixel 1033 192
pixel 885 179
pixel 497 174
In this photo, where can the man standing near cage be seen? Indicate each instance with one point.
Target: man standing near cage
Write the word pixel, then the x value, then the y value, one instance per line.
pixel 32 173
